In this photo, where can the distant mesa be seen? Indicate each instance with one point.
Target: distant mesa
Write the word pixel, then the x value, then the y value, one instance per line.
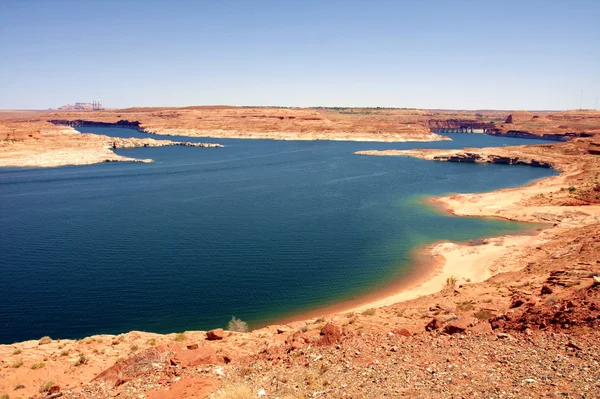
pixel 93 106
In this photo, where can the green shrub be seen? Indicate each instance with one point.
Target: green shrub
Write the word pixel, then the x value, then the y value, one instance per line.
pixel 45 340
pixel 46 386
pixel 369 312
pixel 180 337
pixel 465 306
pixel 483 315
pixel 238 325
pixel 451 283
pixel 81 360
pixel 39 365
pixel 17 363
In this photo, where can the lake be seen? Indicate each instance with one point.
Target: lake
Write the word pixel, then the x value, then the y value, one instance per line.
pixel 260 229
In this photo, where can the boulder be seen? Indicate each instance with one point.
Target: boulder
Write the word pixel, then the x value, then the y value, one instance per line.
pixel 546 290
pixel 215 335
pixel 192 358
pixel 330 334
pixel 481 328
pixel 54 389
pixel 433 325
pixel 402 332
pixel 459 326
pixel 516 302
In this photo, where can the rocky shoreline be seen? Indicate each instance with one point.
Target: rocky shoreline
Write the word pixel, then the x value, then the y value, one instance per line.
pixel 65 146
pixel 514 316
pixel 462 156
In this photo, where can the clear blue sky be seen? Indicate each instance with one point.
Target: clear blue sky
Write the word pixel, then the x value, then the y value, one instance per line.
pixel 427 54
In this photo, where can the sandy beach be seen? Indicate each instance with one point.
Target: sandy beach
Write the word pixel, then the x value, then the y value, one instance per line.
pixel 477 263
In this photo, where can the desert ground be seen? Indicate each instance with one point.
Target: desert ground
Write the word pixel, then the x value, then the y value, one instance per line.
pixel 514 316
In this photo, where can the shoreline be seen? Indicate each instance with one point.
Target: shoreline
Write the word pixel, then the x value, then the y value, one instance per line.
pixel 431 264
pixel 68 147
pixel 501 204
pixel 443 259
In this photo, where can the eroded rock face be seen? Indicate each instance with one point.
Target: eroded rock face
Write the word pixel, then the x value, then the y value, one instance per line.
pixel 582 310
pixel 136 365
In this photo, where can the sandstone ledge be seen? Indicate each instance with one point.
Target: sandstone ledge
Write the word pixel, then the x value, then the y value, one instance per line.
pixel 65 146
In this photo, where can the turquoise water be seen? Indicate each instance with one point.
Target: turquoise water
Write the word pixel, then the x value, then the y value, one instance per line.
pixel 259 229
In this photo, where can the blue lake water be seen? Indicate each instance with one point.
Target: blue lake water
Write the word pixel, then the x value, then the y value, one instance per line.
pixel 259 229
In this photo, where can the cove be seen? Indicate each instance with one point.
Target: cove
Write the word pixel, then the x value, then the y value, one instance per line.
pixel 260 229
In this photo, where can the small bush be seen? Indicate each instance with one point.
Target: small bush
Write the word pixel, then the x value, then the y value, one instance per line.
pixel 81 360
pixel 238 325
pixel 39 365
pixel 572 189
pixel 17 351
pixel 180 337
pixel 152 341
pixel 451 283
pixel 46 386
pixel 5 396
pixel 304 328
pixel 133 348
pixel 16 364
pixel 64 352
pixel 465 306
pixel 369 312
pixel 235 392
pixel 483 315
pixel 45 340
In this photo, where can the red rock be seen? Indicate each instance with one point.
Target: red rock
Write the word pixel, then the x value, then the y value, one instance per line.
pixel 402 332
pixel 216 334
pixel 481 328
pixel 119 371
pixel 452 328
pixel 280 331
pixel 201 356
pixel 546 290
pixel 459 326
pixel 434 324
pixel 330 334
pixel 192 347
pixel 517 302
pixel 509 119
pixel 54 389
